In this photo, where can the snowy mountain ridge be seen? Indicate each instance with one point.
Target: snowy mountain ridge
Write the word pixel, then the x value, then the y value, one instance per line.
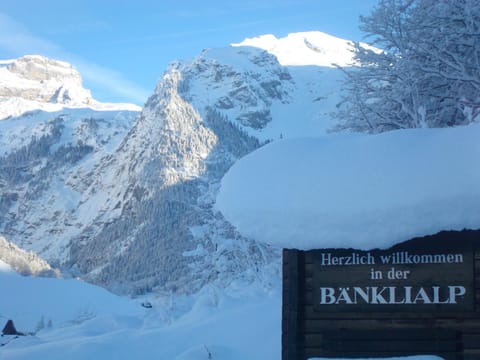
pixel 34 77
pixel 306 48
pixel 94 192
pixel 34 82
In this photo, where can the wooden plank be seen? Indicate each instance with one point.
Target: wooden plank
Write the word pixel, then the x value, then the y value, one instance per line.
pixel 309 311
pixel 424 343
pixel 316 352
pixel 321 326
pixel 398 334
pixel 308 283
pixel 309 258
pixel 352 346
pixel 471 341
pixel 311 340
pixel 470 354
pixel 306 298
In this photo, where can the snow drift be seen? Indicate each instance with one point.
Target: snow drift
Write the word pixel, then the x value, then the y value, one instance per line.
pixel 356 190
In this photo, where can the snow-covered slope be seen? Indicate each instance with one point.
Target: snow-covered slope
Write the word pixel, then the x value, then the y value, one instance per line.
pixel 47 161
pixel 23 262
pixel 75 320
pixel 33 302
pixel 52 135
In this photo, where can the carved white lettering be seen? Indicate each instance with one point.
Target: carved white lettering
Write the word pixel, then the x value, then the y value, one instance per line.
pixel 327 296
pixel 456 291
pixel 391 295
pixel 327 259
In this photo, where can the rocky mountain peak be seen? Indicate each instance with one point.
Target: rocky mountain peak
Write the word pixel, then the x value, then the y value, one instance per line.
pixel 37 78
pixel 35 82
pixel 35 67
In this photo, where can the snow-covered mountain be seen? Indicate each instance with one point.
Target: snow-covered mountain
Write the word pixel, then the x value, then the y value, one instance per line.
pixel 34 82
pixel 305 48
pixel 41 79
pixel 52 134
pixel 129 204
pixel 204 115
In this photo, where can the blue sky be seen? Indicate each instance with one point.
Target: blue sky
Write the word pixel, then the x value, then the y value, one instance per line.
pixel 122 48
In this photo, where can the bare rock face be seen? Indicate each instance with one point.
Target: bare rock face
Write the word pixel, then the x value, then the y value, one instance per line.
pixel 37 78
pixel 39 68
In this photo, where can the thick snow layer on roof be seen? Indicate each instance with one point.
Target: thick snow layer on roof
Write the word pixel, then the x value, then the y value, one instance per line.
pixel 356 190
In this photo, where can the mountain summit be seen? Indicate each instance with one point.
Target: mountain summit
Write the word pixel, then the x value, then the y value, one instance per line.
pixel 305 48
pixel 34 82
pixel 38 78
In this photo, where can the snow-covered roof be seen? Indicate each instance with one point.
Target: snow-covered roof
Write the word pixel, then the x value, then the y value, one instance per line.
pixel 356 190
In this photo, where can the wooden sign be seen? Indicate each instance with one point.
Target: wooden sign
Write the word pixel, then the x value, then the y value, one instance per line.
pixel 418 297
pixel 410 277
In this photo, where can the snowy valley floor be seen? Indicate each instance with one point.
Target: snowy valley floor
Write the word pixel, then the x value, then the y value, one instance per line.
pixel 81 321
pixel 74 320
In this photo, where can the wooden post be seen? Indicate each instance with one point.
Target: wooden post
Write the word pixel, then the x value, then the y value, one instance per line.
pixel 290 314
